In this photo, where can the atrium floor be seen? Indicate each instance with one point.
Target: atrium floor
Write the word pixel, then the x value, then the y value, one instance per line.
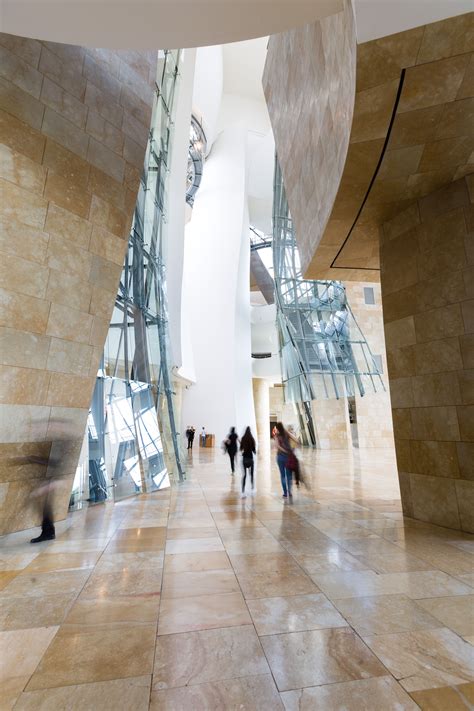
pixel 195 599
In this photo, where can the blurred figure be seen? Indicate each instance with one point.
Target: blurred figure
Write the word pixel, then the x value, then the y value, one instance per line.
pixel 56 459
pixel 203 437
pixel 231 443
pixel 190 432
pixel 284 442
pixel 55 467
pixel 247 447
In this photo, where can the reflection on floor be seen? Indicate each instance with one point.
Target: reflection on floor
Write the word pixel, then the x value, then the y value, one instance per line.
pixel 197 599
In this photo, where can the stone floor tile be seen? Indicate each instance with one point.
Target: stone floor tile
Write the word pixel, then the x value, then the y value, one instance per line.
pixel 457 613
pixel 6 576
pixel 276 584
pixel 317 657
pixel 246 694
pixel 362 695
pixel 33 585
pixel 208 582
pixel 454 698
pixel 297 613
pixel 419 584
pixel 183 562
pixel 193 545
pixel 202 612
pixel 62 561
pixel 175 534
pixel 386 614
pixel 132 609
pixel 145 581
pixel 80 654
pixel 27 612
pixel 20 654
pixel 265 562
pixel 131 693
pixel 118 562
pixel 209 655
pixel 425 658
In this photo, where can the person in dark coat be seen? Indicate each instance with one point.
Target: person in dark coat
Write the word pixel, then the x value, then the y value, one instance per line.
pixel 247 447
pixel 231 443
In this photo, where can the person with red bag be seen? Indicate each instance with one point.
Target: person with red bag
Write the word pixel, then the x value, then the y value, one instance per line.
pixel 286 459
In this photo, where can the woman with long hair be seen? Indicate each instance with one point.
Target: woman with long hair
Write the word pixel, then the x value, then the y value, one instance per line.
pixel 284 441
pixel 247 447
pixel 231 442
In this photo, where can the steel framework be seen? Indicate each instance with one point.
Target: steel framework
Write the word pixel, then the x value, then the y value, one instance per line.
pixel 322 349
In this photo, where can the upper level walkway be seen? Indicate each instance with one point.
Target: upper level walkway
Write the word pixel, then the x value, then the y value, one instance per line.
pixel 196 599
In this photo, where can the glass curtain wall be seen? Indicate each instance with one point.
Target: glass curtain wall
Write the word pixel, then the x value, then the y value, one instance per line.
pixel 132 440
pixel 323 352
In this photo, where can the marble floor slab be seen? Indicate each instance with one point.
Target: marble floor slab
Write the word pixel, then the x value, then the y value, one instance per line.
pixel 202 612
pixel 419 584
pixel 277 615
pixel 457 613
pixel 316 657
pixel 334 601
pixel 208 655
pixel 131 609
pixel 192 583
pixel 80 654
pixel 386 614
pixel 453 698
pixel 246 694
pixel 275 584
pixel 381 693
pixel 426 658
pixel 132 693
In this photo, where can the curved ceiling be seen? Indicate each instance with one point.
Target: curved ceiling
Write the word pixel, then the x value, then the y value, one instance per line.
pixel 163 24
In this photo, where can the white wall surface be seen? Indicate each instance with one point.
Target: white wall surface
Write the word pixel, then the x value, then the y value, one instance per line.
pixel 217 259
pixel 265 340
pixel 208 86
pixel 176 209
pixel 125 24
pixel 379 18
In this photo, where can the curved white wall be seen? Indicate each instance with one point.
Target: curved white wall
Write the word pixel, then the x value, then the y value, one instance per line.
pixel 176 211
pixel 216 279
pixel 379 18
pixel 208 85
pixel 265 340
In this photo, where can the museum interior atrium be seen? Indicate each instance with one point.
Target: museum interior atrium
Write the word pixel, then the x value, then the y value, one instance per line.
pixel 237 355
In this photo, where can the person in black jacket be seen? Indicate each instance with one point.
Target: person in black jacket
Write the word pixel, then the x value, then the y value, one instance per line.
pixel 231 443
pixel 247 447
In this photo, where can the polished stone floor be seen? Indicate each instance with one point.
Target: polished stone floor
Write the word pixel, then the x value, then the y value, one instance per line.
pixel 195 599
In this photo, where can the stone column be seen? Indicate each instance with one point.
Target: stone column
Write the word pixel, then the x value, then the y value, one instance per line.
pixel 331 420
pixel 427 260
pixel 73 131
pixel 261 398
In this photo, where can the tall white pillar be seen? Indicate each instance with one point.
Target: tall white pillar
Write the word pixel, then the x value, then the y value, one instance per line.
pixel 216 293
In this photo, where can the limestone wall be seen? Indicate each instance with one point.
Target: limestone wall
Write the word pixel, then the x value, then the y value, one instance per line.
pixel 73 130
pixel 374 413
pixel 309 84
pixel 427 260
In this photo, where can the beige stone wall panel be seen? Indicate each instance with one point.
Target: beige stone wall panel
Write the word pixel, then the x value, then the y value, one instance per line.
pixel 73 129
pixel 431 142
pixel 309 83
pixel 430 355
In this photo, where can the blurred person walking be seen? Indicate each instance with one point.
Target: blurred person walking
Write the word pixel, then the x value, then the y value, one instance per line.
pixel 190 435
pixel 284 441
pixel 231 443
pixel 55 468
pixel 247 447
